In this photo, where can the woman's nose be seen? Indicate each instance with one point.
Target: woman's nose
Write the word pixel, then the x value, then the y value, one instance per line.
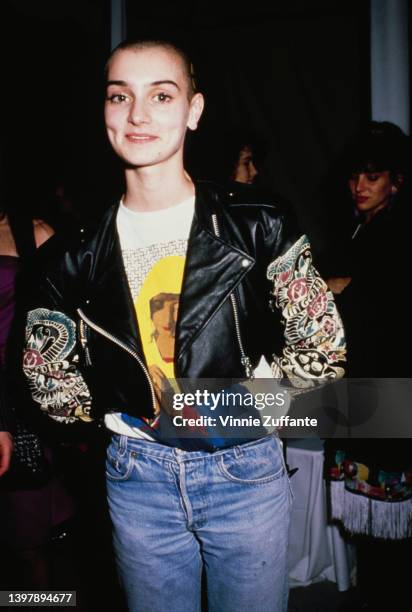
pixel 138 112
pixel 171 317
pixel 360 183
pixel 252 171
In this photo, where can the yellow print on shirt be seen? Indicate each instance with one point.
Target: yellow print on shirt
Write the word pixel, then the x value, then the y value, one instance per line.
pixel 157 307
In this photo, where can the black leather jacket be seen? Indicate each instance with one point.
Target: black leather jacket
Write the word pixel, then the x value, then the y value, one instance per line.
pixel 232 241
pixel 83 355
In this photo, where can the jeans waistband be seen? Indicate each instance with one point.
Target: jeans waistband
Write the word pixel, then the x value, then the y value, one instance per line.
pixel 127 444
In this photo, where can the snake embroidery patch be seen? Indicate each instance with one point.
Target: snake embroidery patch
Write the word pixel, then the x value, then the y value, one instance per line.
pixel 50 365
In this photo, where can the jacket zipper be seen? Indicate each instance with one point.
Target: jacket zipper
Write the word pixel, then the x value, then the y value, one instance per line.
pixel 83 342
pixel 109 336
pixel 245 360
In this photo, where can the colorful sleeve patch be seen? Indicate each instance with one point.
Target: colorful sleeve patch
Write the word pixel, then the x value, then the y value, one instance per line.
pixel 314 336
pixel 50 363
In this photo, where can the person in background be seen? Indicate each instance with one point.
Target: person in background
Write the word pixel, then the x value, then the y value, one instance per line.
pixel 371 479
pixel 245 170
pixel 239 158
pixel 376 167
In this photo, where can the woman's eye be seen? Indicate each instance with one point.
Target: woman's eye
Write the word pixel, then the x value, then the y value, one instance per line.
pixel 117 98
pixel 373 177
pixel 162 97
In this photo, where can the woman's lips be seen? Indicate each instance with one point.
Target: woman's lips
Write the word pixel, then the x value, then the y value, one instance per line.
pixel 140 138
pixel 361 199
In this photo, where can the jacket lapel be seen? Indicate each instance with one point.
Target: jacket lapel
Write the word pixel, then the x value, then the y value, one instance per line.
pixel 213 270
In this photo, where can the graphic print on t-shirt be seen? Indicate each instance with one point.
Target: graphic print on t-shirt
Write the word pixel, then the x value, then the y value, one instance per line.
pixel 157 306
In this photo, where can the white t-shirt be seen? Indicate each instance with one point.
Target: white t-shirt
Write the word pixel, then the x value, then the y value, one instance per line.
pixel 154 246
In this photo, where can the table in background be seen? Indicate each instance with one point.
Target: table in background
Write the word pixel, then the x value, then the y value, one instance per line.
pixel 317 550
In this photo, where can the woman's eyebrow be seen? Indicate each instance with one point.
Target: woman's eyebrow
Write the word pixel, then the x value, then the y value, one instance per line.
pixel 161 82
pixel 166 82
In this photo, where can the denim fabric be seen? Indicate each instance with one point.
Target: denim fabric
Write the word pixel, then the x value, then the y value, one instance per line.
pixel 175 513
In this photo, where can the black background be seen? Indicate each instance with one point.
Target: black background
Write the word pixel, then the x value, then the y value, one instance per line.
pixel 296 73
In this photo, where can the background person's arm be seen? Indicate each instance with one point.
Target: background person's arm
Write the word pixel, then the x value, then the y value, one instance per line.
pixel 6 449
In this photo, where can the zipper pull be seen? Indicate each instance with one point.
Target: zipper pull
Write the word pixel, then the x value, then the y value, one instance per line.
pixel 248 367
pixel 83 342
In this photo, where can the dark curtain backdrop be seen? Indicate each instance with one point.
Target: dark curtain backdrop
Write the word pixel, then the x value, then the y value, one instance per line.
pixel 294 73
pixel 52 57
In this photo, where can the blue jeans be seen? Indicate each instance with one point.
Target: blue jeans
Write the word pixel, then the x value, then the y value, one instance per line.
pixel 176 513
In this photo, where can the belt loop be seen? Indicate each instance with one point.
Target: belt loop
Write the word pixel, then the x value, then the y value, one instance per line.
pixel 122 445
pixel 238 452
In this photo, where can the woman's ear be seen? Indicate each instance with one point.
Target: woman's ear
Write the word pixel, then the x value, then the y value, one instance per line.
pixel 197 104
pixel 397 183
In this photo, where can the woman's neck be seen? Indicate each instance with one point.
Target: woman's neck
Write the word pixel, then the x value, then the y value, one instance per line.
pixel 149 189
pixel 371 214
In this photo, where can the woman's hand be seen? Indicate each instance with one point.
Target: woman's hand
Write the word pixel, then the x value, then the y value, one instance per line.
pixel 6 449
pixel 338 284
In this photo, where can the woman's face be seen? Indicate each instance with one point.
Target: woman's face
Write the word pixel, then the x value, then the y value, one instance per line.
pixel 164 316
pixel 147 110
pixel 245 170
pixel 371 191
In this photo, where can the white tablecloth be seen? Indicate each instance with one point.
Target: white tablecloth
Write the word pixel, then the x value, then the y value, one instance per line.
pixel 316 551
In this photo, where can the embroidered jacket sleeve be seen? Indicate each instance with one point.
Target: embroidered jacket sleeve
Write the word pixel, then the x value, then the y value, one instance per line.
pixel 52 352
pixel 314 342
pixel 51 365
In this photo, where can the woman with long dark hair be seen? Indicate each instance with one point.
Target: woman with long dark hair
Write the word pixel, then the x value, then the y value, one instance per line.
pixel 371 479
